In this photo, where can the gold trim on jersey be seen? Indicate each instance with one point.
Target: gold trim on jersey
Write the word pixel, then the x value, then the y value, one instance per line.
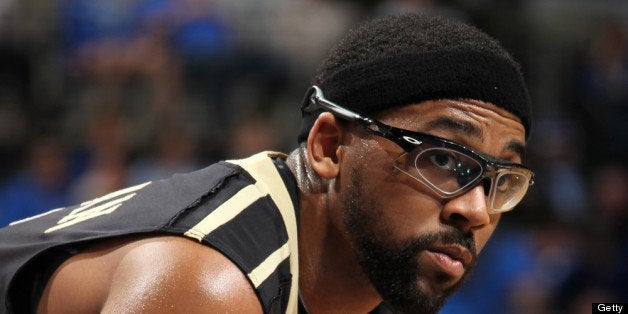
pixel 225 212
pixel 268 180
pixel 268 266
pixel 90 209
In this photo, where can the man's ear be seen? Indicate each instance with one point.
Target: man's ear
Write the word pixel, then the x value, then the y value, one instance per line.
pixel 323 145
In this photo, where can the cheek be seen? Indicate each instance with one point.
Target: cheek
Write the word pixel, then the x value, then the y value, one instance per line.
pixel 404 211
pixel 414 209
pixel 397 204
pixel 413 213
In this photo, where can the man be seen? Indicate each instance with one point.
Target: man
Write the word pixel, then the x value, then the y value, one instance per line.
pixel 408 155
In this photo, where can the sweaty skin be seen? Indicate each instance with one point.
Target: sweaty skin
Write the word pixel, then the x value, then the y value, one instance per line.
pixel 165 274
pixel 175 274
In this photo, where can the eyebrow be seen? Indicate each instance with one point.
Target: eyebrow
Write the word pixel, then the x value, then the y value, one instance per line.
pixel 516 147
pixel 449 124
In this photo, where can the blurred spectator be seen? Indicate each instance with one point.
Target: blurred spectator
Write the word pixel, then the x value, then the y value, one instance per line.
pixel 193 36
pixel 94 33
pixel 600 274
pixel 41 186
pixel 117 60
pixel 15 86
pixel 559 153
pixel 610 193
pixel 603 91
pixel 155 60
pixel 107 158
pixel 174 152
pixel 253 134
pixel 299 32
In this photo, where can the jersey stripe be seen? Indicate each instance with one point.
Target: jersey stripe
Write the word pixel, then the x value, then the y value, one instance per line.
pixel 268 266
pixel 262 169
pixel 225 212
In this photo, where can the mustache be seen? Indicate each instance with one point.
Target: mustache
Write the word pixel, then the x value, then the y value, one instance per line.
pixel 447 237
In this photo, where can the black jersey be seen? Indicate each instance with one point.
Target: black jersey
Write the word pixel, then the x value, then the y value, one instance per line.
pixel 246 209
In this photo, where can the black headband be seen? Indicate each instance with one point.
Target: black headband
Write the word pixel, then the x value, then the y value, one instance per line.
pixel 372 86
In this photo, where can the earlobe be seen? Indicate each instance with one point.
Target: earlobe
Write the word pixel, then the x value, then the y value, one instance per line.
pixel 323 145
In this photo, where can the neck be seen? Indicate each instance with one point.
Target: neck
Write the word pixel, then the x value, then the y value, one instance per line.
pixel 330 278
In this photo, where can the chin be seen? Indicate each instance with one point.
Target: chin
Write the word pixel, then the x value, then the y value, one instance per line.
pixel 425 297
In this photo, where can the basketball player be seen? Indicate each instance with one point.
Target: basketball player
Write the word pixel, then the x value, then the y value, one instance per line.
pixel 410 151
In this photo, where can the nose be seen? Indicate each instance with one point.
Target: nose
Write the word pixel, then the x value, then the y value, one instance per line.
pixel 467 211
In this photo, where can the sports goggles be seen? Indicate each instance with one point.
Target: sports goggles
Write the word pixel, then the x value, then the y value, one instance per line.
pixel 448 168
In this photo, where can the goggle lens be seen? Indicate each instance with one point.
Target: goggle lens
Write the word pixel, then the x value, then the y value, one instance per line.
pixel 508 189
pixel 447 170
pixel 450 173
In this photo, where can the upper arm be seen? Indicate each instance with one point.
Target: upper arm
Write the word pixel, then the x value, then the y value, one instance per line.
pixel 174 274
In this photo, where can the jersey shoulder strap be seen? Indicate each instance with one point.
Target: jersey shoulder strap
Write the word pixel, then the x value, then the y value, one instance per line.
pixel 268 179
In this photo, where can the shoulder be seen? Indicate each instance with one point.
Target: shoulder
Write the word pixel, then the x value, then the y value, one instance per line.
pixel 150 275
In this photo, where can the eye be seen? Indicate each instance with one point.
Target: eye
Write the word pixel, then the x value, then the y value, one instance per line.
pixel 503 184
pixel 508 181
pixel 443 161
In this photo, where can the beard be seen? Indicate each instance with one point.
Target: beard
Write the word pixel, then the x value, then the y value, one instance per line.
pixel 394 268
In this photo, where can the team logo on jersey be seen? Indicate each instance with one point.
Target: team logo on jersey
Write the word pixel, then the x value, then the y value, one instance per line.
pixel 97 207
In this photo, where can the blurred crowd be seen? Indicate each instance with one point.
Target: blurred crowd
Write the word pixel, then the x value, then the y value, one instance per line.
pixel 96 95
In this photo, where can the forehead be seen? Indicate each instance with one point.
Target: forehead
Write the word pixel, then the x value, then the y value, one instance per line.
pixel 477 124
